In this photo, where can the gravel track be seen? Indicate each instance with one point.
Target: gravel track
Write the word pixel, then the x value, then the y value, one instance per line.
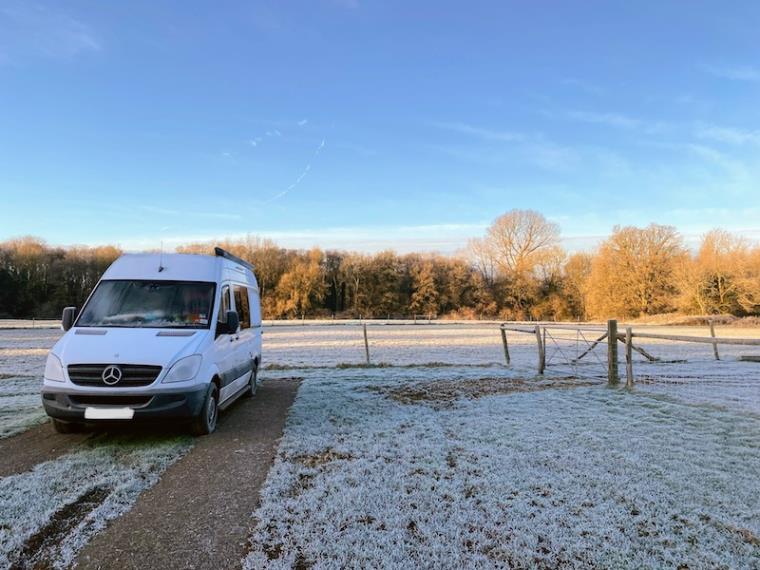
pixel 199 514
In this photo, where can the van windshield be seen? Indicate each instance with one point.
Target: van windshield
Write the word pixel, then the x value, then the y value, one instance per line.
pixel 149 304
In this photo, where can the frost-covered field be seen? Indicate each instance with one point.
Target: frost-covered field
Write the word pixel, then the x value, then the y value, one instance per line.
pixel 330 345
pixel 700 379
pixel 561 477
pixel 23 351
pixel 686 371
pixel 29 324
pixel 20 406
pixel 455 462
pixel 22 362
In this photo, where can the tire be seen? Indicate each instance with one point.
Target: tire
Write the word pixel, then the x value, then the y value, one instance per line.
pixel 253 383
pixel 205 422
pixel 66 427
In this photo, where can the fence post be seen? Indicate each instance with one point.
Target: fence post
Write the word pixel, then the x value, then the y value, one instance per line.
pixel 543 346
pixel 541 353
pixel 506 346
pixel 629 357
pixel 715 344
pixel 612 353
pixel 366 342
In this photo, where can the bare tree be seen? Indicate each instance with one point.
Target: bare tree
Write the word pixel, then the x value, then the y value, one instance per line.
pixel 517 247
pixel 520 241
pixel 482 258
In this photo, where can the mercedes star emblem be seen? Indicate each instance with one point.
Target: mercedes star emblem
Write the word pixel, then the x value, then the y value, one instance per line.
pixel 111 375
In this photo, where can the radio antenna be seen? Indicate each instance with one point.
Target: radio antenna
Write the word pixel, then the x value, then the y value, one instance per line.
pixel 161 258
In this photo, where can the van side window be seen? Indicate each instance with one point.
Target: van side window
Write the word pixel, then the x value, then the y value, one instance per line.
pixel 224 304
pixel 242 306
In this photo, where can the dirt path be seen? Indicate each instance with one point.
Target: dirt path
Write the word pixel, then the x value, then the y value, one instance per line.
pixel 23 451
pixel 199 514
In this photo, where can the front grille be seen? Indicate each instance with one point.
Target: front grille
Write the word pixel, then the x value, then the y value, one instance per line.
pixel 132 375
pixel 110 400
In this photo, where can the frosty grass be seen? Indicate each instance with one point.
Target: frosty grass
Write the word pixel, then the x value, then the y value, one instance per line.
pixel 118 468
pixel 573 478
pixel 560 478
pixel 20 406
pixel 22 362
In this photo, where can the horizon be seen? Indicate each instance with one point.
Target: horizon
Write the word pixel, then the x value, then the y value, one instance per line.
pixel 324 125
pixel 300 242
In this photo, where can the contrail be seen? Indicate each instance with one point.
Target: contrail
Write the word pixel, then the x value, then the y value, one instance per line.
pixel 300 177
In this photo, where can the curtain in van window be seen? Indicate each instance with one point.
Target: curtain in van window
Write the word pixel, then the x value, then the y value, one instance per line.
pixel 242 306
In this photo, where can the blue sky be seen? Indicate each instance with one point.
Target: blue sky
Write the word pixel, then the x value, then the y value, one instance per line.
pixel 364 125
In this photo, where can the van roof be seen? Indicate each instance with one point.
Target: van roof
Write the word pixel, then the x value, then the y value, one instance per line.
pixel 178 267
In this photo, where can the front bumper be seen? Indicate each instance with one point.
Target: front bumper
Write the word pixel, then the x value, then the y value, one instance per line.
pixel 179 405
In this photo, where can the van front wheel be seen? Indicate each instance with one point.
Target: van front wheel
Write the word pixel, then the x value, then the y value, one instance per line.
pixel 205 422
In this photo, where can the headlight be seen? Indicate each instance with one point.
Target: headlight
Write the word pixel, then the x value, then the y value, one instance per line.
pixel 184 369
pixel 54 369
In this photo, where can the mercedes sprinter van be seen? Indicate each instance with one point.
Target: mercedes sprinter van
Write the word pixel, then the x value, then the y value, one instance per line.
pixel 172 336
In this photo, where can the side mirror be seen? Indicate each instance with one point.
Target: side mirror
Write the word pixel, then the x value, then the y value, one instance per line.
pixel 67 319
pixel 233 322
pixel 230 326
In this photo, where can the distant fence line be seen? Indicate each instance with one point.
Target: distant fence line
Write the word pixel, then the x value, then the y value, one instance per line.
pixel 29 323
pixel 552 341
pixel 611 337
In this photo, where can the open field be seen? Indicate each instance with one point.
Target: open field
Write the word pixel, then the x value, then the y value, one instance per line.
pixel 30 323
pixel 445 459
pixel 584 477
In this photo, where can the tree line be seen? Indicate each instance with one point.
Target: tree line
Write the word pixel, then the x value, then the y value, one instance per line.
pixel 516 271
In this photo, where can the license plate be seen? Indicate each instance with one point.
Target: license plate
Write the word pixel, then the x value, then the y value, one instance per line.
pixel 108 413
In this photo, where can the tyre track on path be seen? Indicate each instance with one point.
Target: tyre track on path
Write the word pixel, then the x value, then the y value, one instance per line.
pixel 199 514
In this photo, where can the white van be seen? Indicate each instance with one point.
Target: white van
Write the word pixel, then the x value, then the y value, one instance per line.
pixel 171 336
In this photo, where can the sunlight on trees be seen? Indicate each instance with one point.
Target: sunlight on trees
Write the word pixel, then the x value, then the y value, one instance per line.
pixel 517 270
pixel 633 272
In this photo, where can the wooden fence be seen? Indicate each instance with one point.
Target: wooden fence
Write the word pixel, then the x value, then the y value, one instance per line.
pixel 612 337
